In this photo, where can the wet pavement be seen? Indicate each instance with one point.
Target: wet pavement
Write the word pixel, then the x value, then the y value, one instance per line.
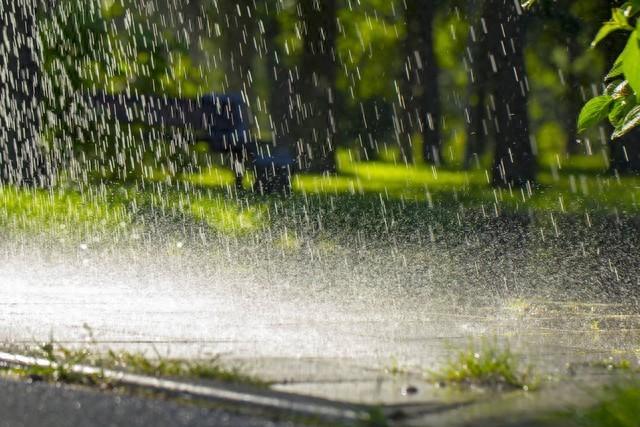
pixel 307 333
pixel 46 405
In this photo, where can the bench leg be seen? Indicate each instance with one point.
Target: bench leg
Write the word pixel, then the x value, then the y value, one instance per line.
pixel 237 166
pixel 271 182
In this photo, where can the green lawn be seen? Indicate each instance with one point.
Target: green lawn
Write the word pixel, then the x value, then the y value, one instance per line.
pixel 362 194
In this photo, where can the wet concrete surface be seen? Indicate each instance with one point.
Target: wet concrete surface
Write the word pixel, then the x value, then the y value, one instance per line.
pixel 304 329
pixel 47 405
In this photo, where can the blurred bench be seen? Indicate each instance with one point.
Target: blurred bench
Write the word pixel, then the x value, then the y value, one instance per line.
pixel 219 120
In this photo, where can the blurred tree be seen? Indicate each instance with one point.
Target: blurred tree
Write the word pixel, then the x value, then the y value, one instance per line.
pixel 237 19
pixel 116 46
pixel 508 86
pixel 370 65
pixel 314 81
pixel 280 89
pixel 573 83
pixel 422 94
pixel 557 21
pixel 477 126
pixel 21 154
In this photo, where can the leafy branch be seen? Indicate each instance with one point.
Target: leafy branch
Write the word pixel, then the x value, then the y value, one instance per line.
pixel 620 101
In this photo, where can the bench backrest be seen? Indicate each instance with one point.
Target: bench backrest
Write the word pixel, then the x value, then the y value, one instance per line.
pixel 220 120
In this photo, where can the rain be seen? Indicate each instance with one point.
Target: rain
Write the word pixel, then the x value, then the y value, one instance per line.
pixel 419 208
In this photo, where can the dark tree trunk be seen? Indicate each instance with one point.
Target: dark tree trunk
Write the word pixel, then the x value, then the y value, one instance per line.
pixel 422 100
pixel 313 103
pixel 280 84
pixel 476 128
pixel 238 20
pixel 574 99
pixel 21 156
pixel 514 161
pixel 478 78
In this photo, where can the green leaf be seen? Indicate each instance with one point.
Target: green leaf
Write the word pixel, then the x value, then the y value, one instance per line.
pixel 617 22
pixel 594 111
pixel 619 110
pixel 631 62
pixel 630 122
pixel 616 70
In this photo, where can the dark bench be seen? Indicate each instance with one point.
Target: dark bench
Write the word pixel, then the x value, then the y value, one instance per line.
pixel 219 120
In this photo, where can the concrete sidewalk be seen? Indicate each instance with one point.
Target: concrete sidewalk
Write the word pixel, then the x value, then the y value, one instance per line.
pixel 314 336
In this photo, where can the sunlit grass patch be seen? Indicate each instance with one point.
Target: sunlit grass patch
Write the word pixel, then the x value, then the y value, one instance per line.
pixel 574 185
pixel 59 211
pixel 575 190
pixel 486 365
pixel 211 177
pixel 595 192
pixel 227 216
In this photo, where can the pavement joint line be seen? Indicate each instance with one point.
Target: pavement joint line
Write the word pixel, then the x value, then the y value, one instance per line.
pixel 270 399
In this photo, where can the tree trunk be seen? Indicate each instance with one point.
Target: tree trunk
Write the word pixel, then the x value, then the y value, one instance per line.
pixel 477 93
pixel 280 84
pixel 476 131
pixel 313 104
pixel 422 101
pixel 514 161
pixel 21 157
pixel 574 99
pixel 238 21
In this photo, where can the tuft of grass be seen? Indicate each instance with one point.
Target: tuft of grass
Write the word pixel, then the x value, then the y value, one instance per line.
pixel 63 359
pixel 619 364
pixel 204 369
pixel 394 368
pixel 618 407
pixel 488 365
pixel 60 371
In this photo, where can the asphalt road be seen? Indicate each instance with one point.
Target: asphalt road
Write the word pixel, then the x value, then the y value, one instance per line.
pixel 47 405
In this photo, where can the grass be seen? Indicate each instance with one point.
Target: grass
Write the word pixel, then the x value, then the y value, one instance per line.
pixel 619 364
pixel 209 369
pixel 62 360
pixel 488 365
pixel 61 211
pixel 366 196
pixel 577 187
pixel 619 406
